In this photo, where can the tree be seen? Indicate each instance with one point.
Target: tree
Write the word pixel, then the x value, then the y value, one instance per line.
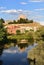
pixel 40 34
pixel 2 35
pixel 30 38
pixel 18 32
pixel 2 30
pixel 1 23
pixel 10 23
pixel 2 20
pixel 30 21
pixel 14 21
pixel 21 20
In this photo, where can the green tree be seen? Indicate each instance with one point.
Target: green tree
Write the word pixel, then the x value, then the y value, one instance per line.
pixel 2 30
pixel 30 21
pixel 14 21
pixel 21 20
pixel 2 36
pixel 1 23
pixel 2 20
pixel 18 32
pixel 30 38
pixel 39 34
pixel 10 23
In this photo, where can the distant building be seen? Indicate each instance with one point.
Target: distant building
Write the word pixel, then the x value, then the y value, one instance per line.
pixel 12 28
pixel 22 16
pixel 31 26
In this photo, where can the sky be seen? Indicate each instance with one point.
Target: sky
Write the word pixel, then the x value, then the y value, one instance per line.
pixel 32 9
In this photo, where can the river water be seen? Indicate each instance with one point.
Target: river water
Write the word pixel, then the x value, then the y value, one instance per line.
pixel 15 56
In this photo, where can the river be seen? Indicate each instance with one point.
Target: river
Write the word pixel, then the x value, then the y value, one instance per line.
pixel 15 56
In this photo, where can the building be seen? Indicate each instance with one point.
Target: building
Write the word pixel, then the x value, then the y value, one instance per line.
pixel 22 16
pixel 12 28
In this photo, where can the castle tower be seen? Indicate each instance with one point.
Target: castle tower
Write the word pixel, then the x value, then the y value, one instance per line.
pixel 22 16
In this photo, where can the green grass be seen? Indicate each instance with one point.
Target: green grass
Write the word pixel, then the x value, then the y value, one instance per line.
pixel 23 36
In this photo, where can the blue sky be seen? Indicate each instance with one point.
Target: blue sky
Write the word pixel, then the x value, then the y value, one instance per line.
pixel 32 9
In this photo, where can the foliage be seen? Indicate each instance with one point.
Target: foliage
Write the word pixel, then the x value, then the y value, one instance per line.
pixel 38 53
pixel 39 34
pixel 21 20
pixel 30 38
pixel 1 23
pixel 1 34
pixel 2 20
pixel 31 21
pixel 18 32
pixel 2 30
pixel 14 21
pixel 11 23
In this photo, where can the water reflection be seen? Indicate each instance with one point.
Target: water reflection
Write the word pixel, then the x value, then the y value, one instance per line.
pixel 1 49
pixel 16 55
pixel 22 47
pixel 1 62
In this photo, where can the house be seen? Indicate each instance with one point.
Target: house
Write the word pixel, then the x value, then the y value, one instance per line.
pixel 31 26
pixel 11 28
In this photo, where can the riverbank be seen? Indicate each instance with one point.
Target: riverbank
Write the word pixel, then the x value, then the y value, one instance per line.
pixel 37 53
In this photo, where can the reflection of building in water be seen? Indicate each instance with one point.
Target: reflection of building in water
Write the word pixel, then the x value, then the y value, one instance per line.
pixel 22 49
pixel 23 41
pixel 22 46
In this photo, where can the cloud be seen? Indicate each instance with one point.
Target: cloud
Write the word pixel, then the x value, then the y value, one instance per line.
pixel 42 22
pixel 38 19
pixel 39 9
pixel 2 7
pixel 10 51
pixel 14 11
pixel 11 11
pixel 8 11
pixel 36 1
pixel 20 10
pixel 38 16
pixel 23 3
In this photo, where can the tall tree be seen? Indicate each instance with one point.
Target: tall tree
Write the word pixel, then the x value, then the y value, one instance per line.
pixel 2 31
pixel 2 35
